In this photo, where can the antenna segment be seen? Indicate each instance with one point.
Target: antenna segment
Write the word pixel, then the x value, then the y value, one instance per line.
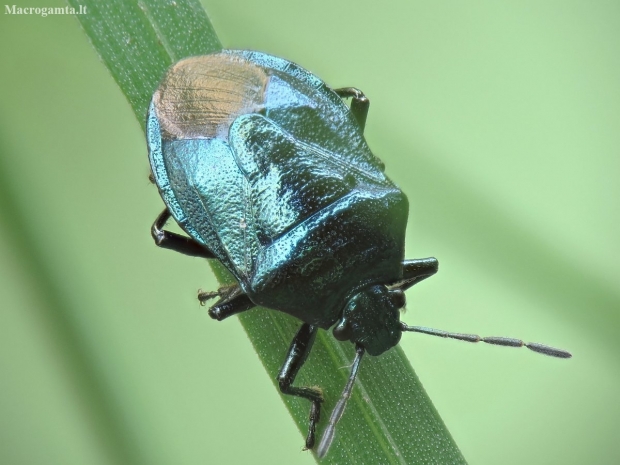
pixel 499 341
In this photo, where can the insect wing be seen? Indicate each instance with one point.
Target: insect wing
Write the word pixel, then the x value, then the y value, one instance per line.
pixel 207 194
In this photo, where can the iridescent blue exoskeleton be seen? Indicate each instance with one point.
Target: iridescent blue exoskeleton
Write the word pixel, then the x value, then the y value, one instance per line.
pixel 267 170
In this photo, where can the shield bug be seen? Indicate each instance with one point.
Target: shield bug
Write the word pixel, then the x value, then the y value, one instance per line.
pixel 266 169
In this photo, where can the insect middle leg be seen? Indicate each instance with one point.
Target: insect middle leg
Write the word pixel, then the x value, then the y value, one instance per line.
pixel 359 103
pixel 232 301
pixel 297 355
pixel 178 243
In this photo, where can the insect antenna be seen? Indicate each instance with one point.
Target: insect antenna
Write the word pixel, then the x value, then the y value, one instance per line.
pixel 499 341
pixel 330 430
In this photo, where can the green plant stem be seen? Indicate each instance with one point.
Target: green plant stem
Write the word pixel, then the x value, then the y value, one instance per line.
pixel 389 418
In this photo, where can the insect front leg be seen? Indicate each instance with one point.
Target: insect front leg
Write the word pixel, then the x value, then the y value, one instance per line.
pixel 297 355
pixel 415 270
pixel 178 243
pixel 359 103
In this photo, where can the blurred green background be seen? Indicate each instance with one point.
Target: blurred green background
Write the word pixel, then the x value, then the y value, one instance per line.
pixel 501 122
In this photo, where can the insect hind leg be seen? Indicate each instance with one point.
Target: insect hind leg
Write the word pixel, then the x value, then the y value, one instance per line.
pixel 177 242
pixel 359 103
pixel 295 358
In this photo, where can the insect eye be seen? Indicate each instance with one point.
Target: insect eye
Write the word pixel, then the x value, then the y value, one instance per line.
pixel 398 298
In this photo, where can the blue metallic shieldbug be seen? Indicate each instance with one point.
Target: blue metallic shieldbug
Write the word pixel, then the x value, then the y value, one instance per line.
pixel 267 170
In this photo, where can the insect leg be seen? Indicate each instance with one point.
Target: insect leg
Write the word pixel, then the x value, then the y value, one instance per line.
pixel 178 243
pixel 359 103
pixel 227 305
pixel 297 355
pixel 416 270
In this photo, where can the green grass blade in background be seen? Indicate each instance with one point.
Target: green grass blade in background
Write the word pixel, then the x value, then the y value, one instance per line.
pixel 390 419
pixel 54 314
pixel 138 41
